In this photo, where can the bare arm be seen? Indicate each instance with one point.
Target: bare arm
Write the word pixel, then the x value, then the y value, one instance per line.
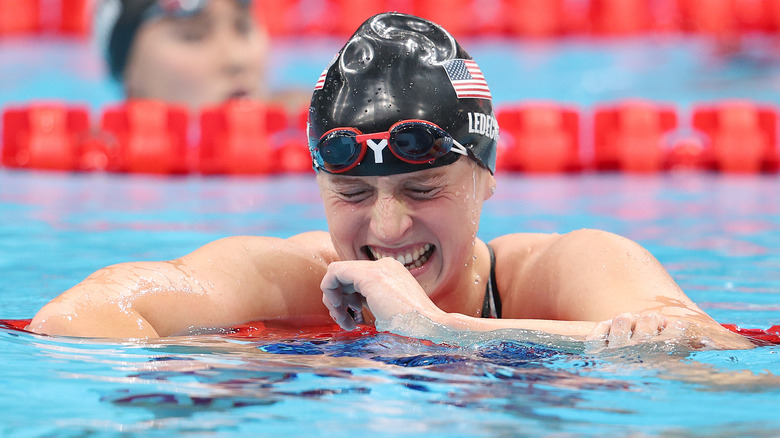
pixel 583 285
pixel 226 282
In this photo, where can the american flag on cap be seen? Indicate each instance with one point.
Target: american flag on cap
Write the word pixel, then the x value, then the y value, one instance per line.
pixel 321 80
pixel 467 79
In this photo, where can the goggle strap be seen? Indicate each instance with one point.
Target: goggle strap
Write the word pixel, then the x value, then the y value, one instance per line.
pixel 459 148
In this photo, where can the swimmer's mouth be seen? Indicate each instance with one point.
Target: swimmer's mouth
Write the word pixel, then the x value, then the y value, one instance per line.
pixel 410 260
pixel 238 94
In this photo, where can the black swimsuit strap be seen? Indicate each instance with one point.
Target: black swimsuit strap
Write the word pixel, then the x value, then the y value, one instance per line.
pixel 491 307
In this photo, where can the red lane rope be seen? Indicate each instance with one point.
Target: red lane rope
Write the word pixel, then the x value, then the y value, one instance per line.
pixel 758 336
pixel 256 330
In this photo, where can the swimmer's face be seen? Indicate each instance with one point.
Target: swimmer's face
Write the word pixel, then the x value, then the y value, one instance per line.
pixel 429 217
pixel 204 59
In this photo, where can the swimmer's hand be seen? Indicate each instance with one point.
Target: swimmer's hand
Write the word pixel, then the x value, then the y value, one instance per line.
pixel 629 329
pixel 385 286
pixel 633 329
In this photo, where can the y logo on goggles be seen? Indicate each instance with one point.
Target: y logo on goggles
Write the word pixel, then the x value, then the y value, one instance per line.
pixel 412 141
pixel 377 148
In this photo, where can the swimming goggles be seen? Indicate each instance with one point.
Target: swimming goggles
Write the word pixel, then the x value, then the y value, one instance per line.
pixel 180 8
pixel 411 141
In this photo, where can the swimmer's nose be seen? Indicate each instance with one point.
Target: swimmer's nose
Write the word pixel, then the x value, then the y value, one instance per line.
pixel 236 52
pixel 390 220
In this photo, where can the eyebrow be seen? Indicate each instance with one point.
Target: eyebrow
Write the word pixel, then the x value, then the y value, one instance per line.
pixel 434 177
pixel 198 18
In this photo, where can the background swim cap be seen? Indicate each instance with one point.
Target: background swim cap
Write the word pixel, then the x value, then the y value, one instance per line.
pixel 398 67
pixel 116 23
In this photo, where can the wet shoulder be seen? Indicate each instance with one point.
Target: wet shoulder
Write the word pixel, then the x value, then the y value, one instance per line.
pixel 519 276
pixel 521 246
pixel 317 242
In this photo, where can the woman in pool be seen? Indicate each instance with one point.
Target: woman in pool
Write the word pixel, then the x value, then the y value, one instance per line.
pixel 194 52
pixel 403 139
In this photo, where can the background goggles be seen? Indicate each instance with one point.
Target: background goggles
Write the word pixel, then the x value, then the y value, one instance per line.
pixel 180 8
pixel 411 141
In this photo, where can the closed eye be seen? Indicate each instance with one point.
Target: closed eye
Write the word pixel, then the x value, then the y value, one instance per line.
pixel 354 195
pixel 192 34
pixel 422 192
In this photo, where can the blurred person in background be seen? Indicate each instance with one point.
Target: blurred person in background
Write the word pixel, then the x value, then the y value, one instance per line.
pixel 189 52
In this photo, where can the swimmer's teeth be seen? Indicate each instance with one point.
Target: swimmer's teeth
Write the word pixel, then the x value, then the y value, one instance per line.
pixel 412 259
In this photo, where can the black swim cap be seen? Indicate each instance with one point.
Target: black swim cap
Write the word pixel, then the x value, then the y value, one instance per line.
pixel 401 67
pixel 116 23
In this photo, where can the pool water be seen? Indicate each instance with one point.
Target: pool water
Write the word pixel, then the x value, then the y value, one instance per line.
pixel 718 235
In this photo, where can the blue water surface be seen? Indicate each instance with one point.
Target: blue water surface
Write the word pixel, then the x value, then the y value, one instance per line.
pixel 717 235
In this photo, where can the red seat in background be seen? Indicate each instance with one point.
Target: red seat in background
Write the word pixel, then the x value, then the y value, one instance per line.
pixel 43 136
pixel 275 15
pixel 630 135
pixel 352 13
pixel 715 17
pixel 742 135
pixel 538 137
pixel 728 17
pixel 620 17
pixel 317 17
pixel 451 14
pixel 536 18
pixel 19 17
pixel 75 17
pixel 235 137
pixel 771 15
pixel 151 136
pixel 756 15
